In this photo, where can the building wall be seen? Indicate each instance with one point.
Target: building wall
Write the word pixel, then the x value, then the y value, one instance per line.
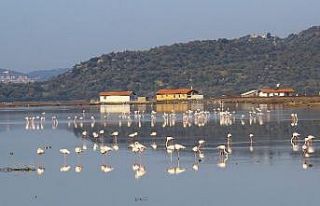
pixel 168 97
pixel 196 96
pixel 114 99
pixel 281 94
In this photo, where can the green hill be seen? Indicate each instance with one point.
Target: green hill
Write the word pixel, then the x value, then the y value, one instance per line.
pixel 214 67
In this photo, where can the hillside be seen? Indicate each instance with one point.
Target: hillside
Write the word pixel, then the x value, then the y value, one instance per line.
pixel 42 75
pixel 214 67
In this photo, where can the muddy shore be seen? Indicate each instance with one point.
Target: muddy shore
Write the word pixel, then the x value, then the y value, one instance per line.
pixel 289 101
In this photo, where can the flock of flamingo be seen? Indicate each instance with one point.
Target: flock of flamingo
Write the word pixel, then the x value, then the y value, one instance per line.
pixel 171 146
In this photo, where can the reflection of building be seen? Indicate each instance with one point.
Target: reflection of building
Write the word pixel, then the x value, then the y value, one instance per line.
pixel 196 106
pixel 116 96
pixel 124 108
pixel 277 92
pixel 178 107
pixel 142 107
pixel 177 94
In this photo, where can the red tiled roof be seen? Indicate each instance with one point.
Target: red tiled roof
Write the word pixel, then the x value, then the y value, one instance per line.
pixel 175 91
pixel 117 93
pixel 277 90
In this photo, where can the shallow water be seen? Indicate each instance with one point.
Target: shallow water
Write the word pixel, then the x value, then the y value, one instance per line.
pixel 266 172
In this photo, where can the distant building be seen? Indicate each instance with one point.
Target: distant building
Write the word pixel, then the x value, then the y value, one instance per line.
pixel 178 94
pixel 117 96
pixel 7 76
pixel 276 92
pixel 251 93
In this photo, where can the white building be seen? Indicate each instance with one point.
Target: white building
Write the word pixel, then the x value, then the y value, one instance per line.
pixel 251 93
pixel 117 96
pixel 277 92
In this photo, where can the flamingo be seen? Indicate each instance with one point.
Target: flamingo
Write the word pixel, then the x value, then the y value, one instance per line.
pixel 115 133
pixel 95 134
pixel 195 166
pixel 308 140
pixel 78 168
pixel 154 145
pixel 139 171
pixel 295 136
pixel 222 150
pixel 115 144
pixel 78 150
pixel 170 148
pixel 251 141
pixel 84 133
pixel 198 147
pixel 64 151
pixel 133 134
pixel 65 168
pixel 139 146
pixel 307 147
pixel 105 149
pixel 40 151
pixel 178 147
pixel 106 168
pixel 40 170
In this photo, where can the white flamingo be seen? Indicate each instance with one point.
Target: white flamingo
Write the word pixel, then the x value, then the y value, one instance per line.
pixel 222 150
pixel 115 145
pixel 251 142
pixel 40 151
pixel 154 145
pixel 106 168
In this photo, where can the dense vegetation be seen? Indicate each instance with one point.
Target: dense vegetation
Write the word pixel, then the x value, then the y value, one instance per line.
pixel 42 75
pixel 214 67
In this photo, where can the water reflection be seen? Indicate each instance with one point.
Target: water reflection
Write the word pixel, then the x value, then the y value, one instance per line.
pixel 175 127
pixel 175 170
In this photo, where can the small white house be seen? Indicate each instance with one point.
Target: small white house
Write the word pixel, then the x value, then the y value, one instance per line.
pixel 116 96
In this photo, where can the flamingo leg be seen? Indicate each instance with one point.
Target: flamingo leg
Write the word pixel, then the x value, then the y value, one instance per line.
pixel 65 159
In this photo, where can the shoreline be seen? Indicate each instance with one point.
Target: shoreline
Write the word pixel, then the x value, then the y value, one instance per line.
pixel 288 101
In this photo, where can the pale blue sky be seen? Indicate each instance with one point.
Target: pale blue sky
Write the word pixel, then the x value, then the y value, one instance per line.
pixel 44 34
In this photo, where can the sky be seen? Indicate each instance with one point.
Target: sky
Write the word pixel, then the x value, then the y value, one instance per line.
pixel 48 34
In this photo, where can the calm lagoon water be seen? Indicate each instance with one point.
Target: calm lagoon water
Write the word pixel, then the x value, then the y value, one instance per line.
pixel 265 172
